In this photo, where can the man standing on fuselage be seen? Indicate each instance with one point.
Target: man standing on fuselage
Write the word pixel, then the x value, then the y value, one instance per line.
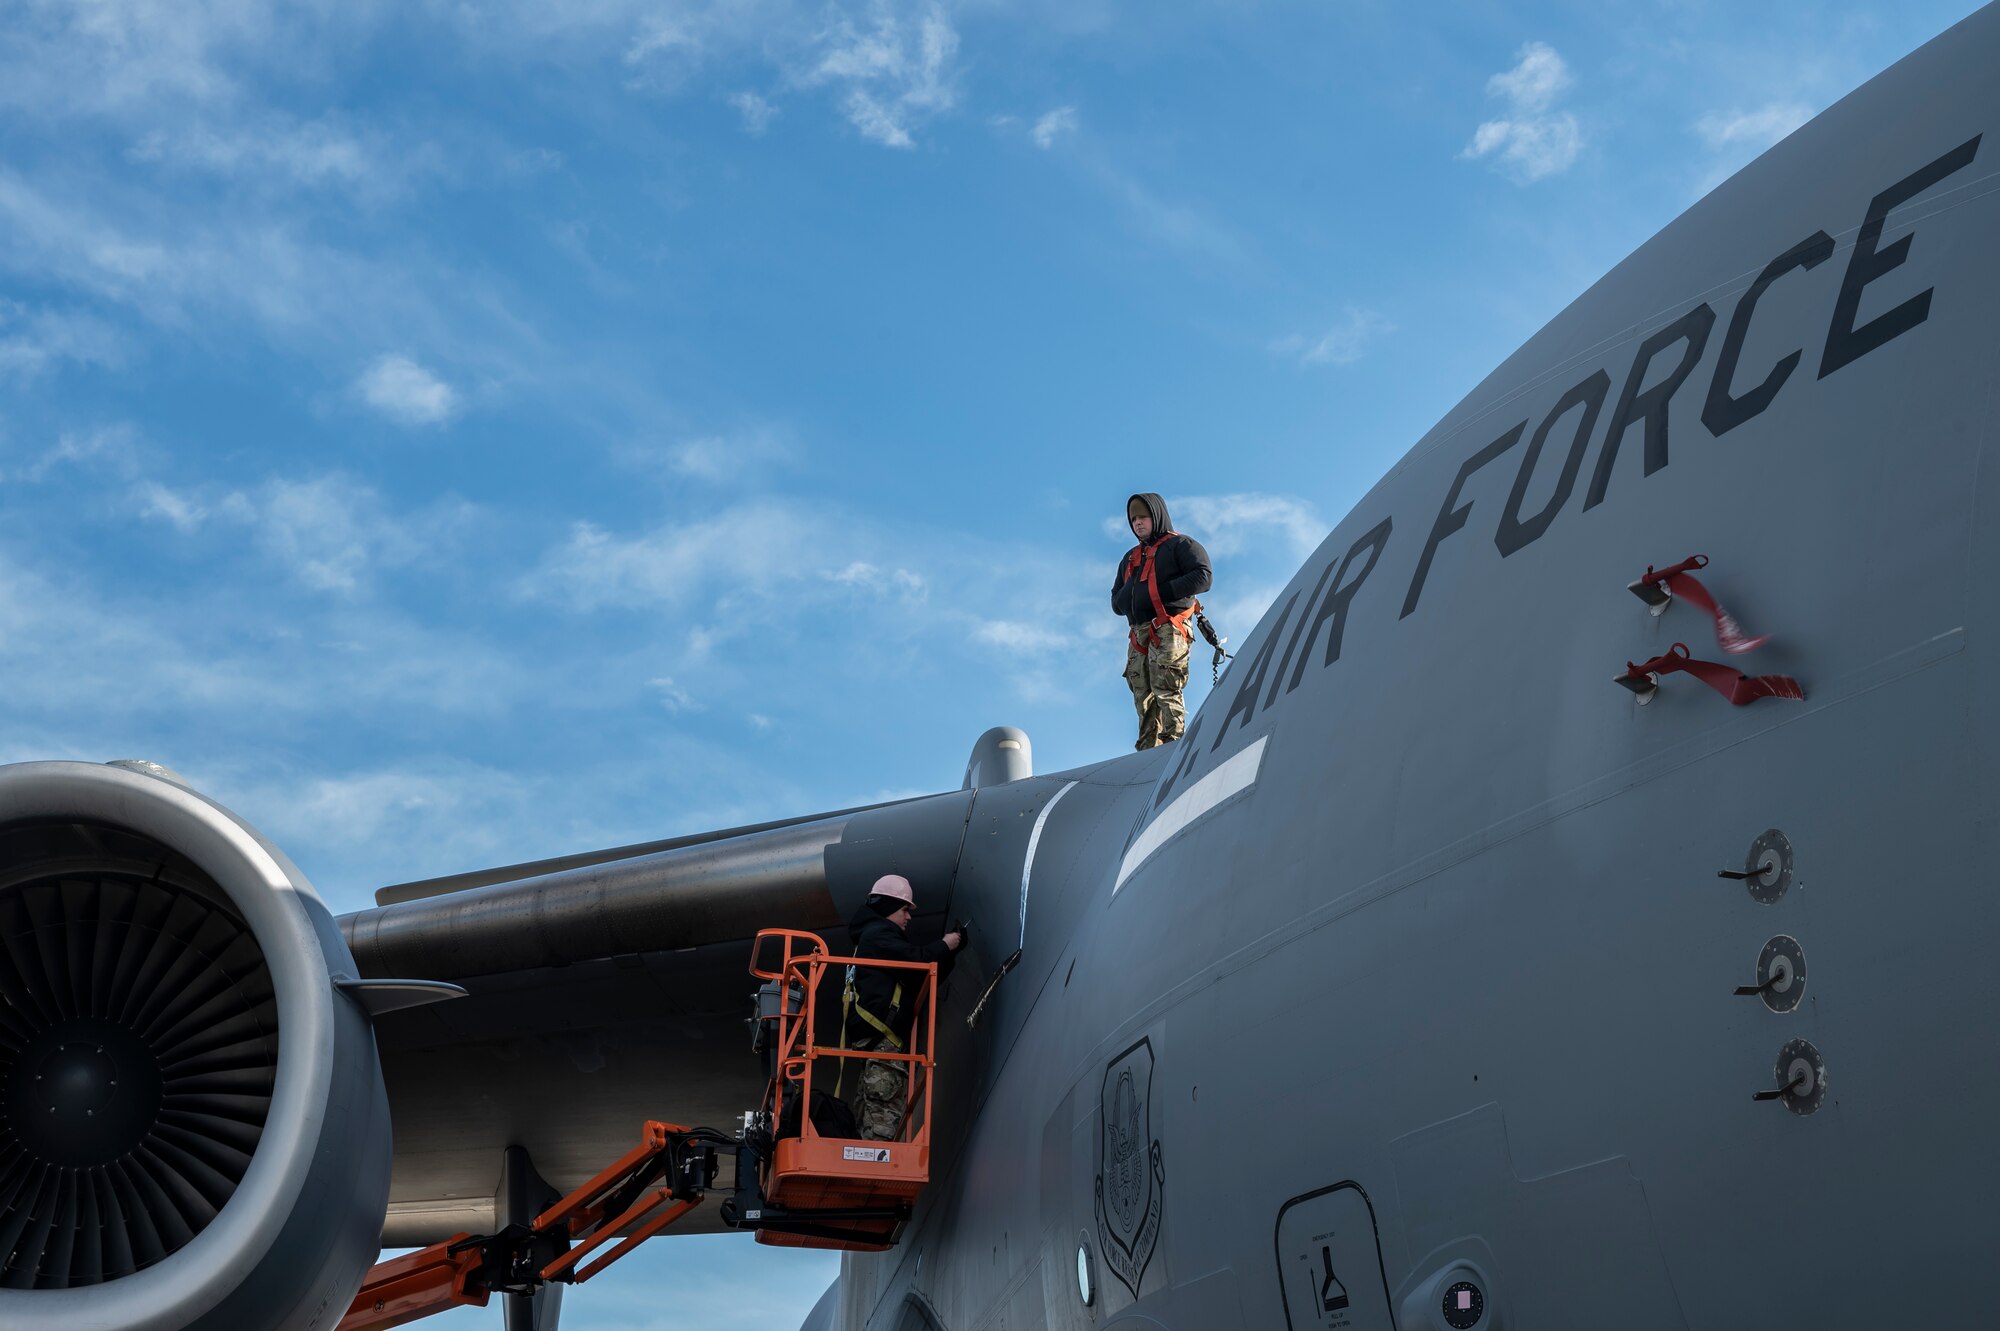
pixel 1156 587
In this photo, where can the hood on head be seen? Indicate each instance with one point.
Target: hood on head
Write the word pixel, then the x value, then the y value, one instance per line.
pixel 1155 505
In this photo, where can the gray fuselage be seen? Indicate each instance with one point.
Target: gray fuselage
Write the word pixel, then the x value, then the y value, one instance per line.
pixel 1444 955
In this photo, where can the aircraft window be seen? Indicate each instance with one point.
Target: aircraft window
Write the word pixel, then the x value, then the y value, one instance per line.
pixel 916 1317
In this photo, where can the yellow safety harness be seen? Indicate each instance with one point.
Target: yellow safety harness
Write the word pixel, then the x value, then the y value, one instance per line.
pixel 850 1002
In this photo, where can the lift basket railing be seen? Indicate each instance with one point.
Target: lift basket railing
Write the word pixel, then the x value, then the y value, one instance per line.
pixel 809 1053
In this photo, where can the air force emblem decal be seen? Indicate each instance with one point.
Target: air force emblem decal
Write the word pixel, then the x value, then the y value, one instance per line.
pixel 1131 1180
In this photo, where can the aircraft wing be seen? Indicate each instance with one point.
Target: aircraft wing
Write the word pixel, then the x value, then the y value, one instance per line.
pixel 610 988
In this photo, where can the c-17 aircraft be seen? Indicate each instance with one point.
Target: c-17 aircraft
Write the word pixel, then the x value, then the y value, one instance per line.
pixel 1571 909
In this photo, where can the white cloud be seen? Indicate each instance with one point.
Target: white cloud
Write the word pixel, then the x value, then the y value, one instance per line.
pixel 112 59
pixel 406 392
pixel 1177 225
pixel 888 64
pixel 877 122
pixel 203 272
pixel 60 240
pixel 1534 141
pixel 748 563
pixel 1054 125
pixel 666 53
pixel 711 459
pixel 866 576
pixel 894 69
pixel 719 459
pixel 672 696
pixel 1012 635
pixel 185 85
pixel 318 153
pixel 327 533
pixel 1758 129
pixel 81 657
pixel 531 161
pixel 316 529
pixel 1531 150
pixel 273 153
pixel 158 501
pixel 756 112
pixel 1235 610
pixel 331 534
pixel 34 341
pixel 363 807
pixel 216 657
pixel 218 109
pixel 1229 524
pixel 749 550
pixel 397 821
pixel 1340 345
pixel 658 37
pixel 106 448
pixel 1533 84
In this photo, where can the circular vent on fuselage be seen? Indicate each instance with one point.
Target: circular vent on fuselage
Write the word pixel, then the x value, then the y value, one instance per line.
pixel 138 1053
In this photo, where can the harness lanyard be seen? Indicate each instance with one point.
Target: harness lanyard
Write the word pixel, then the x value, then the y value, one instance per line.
pixel 850 1002
pixel 846 1008
pixel 1144 558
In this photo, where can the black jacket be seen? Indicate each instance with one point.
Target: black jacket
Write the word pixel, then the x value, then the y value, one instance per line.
pixel 873 937
pixel 1180 566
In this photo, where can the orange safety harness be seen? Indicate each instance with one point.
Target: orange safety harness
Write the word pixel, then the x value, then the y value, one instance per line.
pixel 1141 561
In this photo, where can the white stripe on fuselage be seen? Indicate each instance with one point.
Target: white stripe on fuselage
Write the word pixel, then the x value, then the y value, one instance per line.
pixel 1233 777
pixel 1028 860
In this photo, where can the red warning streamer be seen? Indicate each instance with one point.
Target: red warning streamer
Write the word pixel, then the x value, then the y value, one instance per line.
pixel 1726 680
pixel 1678 580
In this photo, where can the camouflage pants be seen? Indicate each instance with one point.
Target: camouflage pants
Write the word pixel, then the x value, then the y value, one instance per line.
pixel 885 1088
pixel 1157 676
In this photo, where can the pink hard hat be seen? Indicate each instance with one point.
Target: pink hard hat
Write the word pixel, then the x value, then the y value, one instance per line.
pixel 896 886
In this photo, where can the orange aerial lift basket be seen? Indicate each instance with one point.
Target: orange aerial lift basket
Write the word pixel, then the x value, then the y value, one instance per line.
pixel 837 1191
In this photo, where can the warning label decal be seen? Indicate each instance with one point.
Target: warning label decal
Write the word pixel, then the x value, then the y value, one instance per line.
pixel 1330 1262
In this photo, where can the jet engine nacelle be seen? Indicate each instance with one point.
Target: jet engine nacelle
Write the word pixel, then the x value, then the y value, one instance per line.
pixel 194 1134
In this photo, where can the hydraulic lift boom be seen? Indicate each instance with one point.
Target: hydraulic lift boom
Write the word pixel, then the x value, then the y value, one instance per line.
pixel 656 1183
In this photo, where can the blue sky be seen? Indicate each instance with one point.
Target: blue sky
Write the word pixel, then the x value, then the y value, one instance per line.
pixel 453 433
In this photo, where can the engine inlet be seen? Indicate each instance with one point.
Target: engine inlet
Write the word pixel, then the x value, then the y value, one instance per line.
pixel 138 1053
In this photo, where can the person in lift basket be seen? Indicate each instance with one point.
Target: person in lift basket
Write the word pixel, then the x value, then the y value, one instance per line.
pixel 881 1005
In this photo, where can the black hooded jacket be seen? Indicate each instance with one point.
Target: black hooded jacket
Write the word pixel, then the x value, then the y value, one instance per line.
pixel 873 937
pixel 1180 566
